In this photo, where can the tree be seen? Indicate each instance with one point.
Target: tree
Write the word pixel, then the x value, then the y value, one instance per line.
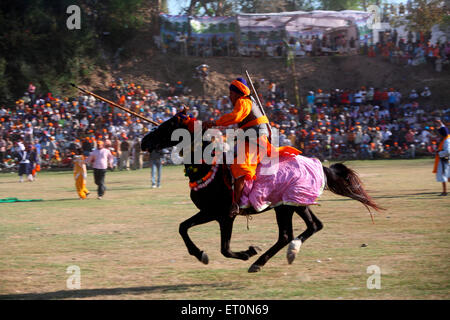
pixel 299 5
pixel 263 6
pixel 338 5
pixel 163 6
pixel 119 18
pixel 213 8
pixel 364 4
pixel 422 16
pixel 36 46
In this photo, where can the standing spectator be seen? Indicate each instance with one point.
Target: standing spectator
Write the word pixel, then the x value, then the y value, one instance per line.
pixel 370 95
pixel 37 160
pixel 426 93
pixel 386 136
pixel 441 166
pixel 136 154
pixel 156 163
pixel 2 150
pixel 124 154
pixel 80 175
pixel 263 44
pixel 100 159
pixel 28 131
pixel 413 95
pixel 32 93
pixel 425 136
pixel 27 160
pixel 310 100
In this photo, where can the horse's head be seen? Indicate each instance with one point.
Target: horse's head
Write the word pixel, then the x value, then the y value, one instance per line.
pixel 160 137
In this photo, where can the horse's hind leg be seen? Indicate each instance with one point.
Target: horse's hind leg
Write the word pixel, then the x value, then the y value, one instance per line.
pixel 285 235
pixel 199 218
pixel 313 225
pixel 226 229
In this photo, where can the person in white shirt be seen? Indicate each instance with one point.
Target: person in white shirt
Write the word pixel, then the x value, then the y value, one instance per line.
pixel 358 98
pixel 426 92
pixel 413 95
pixel 386 135
pixel 425 135
pixel 100 159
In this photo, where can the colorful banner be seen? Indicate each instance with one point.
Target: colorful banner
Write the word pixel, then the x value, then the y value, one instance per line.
pixel 207 27
pixel 172 25
pixel 265 28
pixel 278 26
pixel 200 27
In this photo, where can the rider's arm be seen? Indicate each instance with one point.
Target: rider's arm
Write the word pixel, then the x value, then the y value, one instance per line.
pixel 241 110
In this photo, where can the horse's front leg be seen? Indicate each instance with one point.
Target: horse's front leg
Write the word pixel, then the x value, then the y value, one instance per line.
pixel 200 218
pixel 226 229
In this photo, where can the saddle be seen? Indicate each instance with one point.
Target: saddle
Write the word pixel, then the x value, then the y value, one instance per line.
pixel 295 181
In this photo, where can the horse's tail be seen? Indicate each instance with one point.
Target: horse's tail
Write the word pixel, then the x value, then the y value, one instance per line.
pixel 345 182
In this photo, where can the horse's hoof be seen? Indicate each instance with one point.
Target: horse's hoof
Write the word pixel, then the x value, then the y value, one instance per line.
pixel 254 268
pixel 204 259
pixel 293 249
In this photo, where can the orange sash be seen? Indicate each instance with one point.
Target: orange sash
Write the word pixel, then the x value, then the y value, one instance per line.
pixel 436 158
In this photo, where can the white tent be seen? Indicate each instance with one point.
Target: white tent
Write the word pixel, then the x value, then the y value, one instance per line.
pixel 277 26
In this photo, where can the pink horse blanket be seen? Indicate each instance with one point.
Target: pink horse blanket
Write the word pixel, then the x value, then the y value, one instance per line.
pixel 297 181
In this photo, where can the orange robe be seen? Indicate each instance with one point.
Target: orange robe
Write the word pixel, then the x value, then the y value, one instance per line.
pixel 80 175
pixel 241 110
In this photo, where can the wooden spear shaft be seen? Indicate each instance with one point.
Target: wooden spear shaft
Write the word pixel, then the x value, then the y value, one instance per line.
pixel 252 87
pixel 115 105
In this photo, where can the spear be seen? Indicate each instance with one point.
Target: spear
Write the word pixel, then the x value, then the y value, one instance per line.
pixel 261 108
pixel 252 87
pixel 114 104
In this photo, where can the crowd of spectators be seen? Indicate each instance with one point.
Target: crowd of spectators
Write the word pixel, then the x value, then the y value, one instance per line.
pixel 218 46
pixel 416 49
pixel 333 124
pixel 411 50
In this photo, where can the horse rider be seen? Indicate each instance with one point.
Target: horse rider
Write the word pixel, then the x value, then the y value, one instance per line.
pixel 247 115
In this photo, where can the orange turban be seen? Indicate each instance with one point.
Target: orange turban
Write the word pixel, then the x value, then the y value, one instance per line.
pixel 239 85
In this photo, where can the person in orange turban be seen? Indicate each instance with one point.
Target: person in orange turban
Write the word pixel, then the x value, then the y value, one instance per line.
pixel 247 115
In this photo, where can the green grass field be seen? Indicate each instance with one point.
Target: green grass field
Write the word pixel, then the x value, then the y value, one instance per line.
pixel 127 245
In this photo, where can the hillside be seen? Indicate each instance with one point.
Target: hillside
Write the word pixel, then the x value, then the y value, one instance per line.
pixel 152 69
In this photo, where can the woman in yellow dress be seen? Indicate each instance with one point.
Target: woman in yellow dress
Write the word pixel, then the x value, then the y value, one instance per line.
pixel 80 175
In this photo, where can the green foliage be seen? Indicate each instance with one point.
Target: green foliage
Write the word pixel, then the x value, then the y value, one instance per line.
pixel 164 8
pixel 36 45
pixel 299 5
pixel 423 15
pixel 213 8
pixel 338 5
pixel 119 19
pixel 263 6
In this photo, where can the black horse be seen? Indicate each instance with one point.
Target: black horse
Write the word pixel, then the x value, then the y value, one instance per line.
pixel 215 198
